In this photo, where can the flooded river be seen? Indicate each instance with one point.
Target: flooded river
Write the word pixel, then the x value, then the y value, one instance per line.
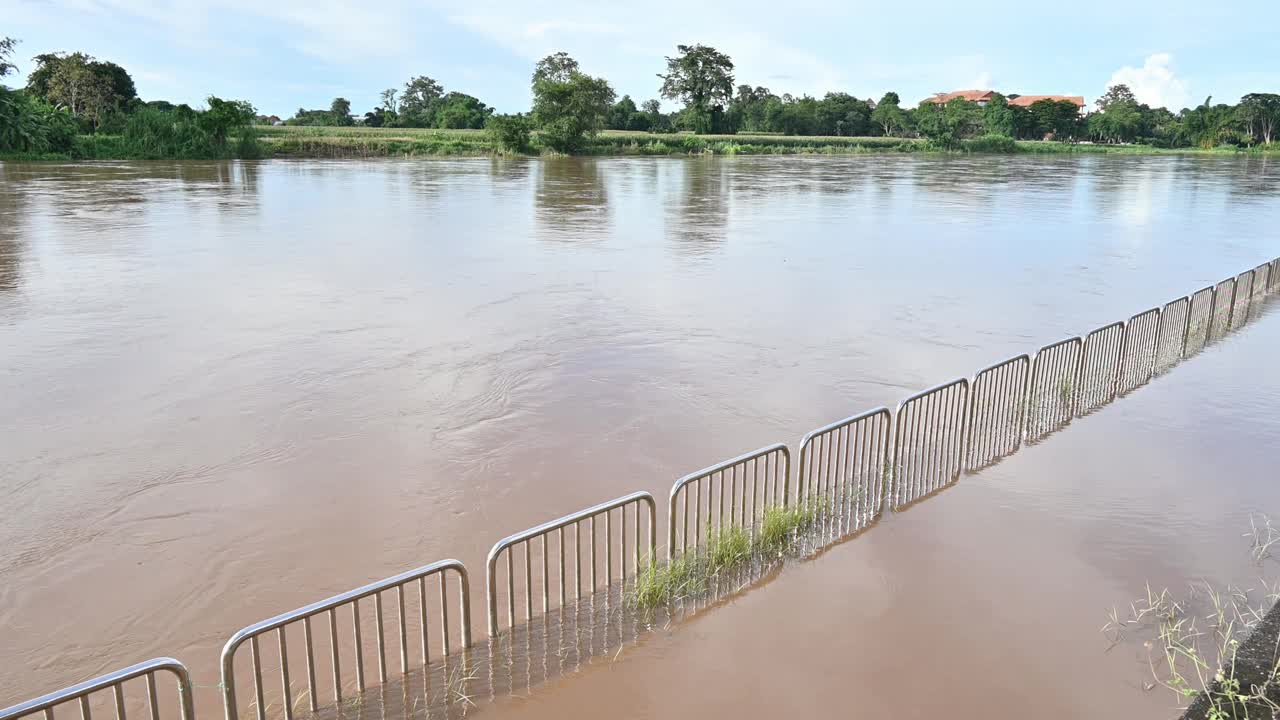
pixel 231 389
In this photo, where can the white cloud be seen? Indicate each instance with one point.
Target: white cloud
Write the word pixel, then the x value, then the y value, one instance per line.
pixel 1154 83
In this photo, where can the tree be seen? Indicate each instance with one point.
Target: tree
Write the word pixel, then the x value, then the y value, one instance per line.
pixel 418 101
pixel 842 114
pixel 122 87
pixel 7 44
pixel 620 114
pixel 509 133
pixel 568 105
pixel 947 124
pixel 1058 118
pixel 1116 95
pixel 1260 113
pixel 389 101
pixel 889 114
pixel 340 109
pixel 88 88
pixel 461 111
pixel 998 118
pixel 701 77
pixel 748 107
pixel 223 116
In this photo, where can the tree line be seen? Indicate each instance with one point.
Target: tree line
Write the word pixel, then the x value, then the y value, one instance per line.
pixel 69 96
pixel 70 93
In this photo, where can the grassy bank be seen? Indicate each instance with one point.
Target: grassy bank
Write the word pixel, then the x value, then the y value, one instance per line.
pixel 364 142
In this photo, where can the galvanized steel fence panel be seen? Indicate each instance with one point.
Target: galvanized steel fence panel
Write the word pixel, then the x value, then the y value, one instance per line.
pixel 1240 305
pixel 750 484
pixel 1261 279
pixel 1273 275
pixel 1223 301
pixel 1199 321
pixel 1099 367
pixel 420 598
pixel 1171 340
pixel 998 411
pixel 929 441
pixel 621 542
pixel 1053 378
pixel 843 467
pixel 91 692
pixel 1138 360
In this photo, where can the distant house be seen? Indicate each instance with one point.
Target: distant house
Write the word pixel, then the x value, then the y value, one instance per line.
pixel 982 97
pixel 1027 100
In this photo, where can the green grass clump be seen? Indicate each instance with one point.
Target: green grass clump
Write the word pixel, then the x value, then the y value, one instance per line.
pixel 729 548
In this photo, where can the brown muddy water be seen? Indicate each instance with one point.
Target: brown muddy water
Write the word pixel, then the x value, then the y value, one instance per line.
pixel 231 389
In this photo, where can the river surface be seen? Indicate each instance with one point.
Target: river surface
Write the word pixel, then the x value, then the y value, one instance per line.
pixel 230 389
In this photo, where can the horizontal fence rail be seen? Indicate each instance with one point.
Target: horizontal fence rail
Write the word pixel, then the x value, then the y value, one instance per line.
pixel 998 411
pixel 928 441
pixel 82 693
pixel 1171 340
pixel 751 483
pixel 301 619
pixel 1099 367
pixel 843 467
pixel 1053 379
pixel 564 538
pixel 1138 359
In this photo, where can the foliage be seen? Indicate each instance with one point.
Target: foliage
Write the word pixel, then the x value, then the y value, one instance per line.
pixel 702 78
pixel 221 131
pixel 945 125
pixel 509 133
pixel 889 114
pixel 1118 118
pixel 88 88
pixel 457 111
pixel 1057 119
pixel 1260 114
pixel 418 102
pixel 340 109
pixel 998 118
pixel 569 106
pixel 7 44
pixel 30 125
pixel 993 143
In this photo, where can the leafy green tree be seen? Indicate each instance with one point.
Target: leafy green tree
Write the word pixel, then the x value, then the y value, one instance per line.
pixel 1059 118
pixel 7 44
pixel 1119 94
pixel 340 109
pixel 225 116
pixel 30 125
pixel 121 83
pixel 1260 113
pixel 946 125
pixel 621 112
pixel 75 86
pixel 998 117
pixel 418 102
pixel 569 106
pixel 702 78
pixel 747 109
pixel 389 102
pixel 461 111
pixel 509 133
pixel 1208 125
pixel 657 121
pixel 842 114
pixel 889 115
pixel 1118 118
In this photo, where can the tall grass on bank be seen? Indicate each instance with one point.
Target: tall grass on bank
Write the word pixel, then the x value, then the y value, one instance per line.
pixel 728 549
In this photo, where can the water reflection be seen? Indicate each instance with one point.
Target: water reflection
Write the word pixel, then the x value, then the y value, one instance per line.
pixel 698 211
pixel 571 199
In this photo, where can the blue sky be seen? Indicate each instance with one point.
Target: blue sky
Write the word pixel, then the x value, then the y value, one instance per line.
pixel 285 54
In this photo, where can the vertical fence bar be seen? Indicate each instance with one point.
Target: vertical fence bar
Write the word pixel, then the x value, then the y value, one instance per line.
pixel 861 445
pixel 1052 387
pixel 1099 368
pixel 680 538
pixel 997 411
pixel 1172 336
pixel 1138 355
pixel 929 443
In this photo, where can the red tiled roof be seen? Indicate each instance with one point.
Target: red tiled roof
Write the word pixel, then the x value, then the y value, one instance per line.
pixel 970 95
pixel 1027 100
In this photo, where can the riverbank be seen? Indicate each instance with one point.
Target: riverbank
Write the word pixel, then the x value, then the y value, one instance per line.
pixel 365 142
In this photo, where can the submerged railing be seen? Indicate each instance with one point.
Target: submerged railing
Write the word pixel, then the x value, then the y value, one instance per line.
pixel 850 470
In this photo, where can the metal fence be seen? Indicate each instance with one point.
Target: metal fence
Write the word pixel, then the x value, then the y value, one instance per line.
pixel 83 694
pixel 750 483
pixel 1223 301
pixel 429 607
pixel 843 468
pixel 1138 359
pixel 1171 340
pixel 1199 321
pixel 928 441
pixel 849 467
pixel 998 411
pixel 551 538
pixel 1053 378
pixel 1099 368
pixel 1240 300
